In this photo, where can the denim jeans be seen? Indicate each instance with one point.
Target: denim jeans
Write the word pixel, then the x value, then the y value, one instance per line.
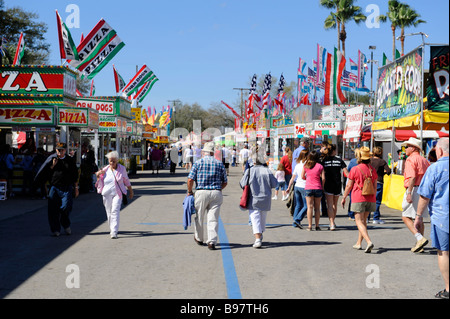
pixel 300 204
pixel 379 197
pixel 60 202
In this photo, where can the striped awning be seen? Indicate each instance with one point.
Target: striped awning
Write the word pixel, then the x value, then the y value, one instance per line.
pixel 403 135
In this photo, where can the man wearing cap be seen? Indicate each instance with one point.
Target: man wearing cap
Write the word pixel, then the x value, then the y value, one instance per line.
pixel 415 168
pixel 210 177
pixel 62 173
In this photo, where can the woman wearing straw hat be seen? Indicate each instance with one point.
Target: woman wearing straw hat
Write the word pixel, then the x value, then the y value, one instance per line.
pixel 415 167
pixel 361 205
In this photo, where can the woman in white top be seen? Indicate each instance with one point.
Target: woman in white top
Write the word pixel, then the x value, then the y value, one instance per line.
pixel 299 189
pixel 113 183
pixel 189 157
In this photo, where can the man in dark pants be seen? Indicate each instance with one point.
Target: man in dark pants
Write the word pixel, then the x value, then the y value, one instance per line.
pixel 62 173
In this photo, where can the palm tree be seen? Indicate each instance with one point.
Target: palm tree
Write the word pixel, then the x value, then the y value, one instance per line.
pixel 407 17
pixel 393 15
pixel 331 22
pixel 346 11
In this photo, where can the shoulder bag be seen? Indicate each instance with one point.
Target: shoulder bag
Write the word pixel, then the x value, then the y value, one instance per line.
pixel 245 193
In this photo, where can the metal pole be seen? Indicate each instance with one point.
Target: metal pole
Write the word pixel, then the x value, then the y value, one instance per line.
pixel 421 91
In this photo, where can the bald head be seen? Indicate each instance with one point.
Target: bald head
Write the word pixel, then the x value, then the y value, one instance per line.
pixel 442 147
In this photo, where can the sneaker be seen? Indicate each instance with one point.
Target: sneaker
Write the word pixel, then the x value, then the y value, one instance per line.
pixel 378 221
pixel 285 197
pixel 419 245
pixel 275 197
pixel 56 234
pixel 443 294
pixel 68 231
pixel 114 236
pixel 257 243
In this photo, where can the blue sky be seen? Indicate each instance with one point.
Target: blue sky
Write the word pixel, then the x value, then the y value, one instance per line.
pixel 201 49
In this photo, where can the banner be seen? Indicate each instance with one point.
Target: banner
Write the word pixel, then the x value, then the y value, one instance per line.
pixel 20 50
pixel 67 47
pixel 399 88
pixel 107 52
pixel 91 45
pixel 438 81
pixel 142 93
pixel 353 122
pixel 138 80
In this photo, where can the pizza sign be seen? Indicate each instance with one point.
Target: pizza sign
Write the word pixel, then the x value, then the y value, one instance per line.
pixel 27 115
pixel 72 116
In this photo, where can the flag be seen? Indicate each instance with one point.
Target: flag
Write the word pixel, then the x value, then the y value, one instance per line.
pixel 163 118
pixel 252 98
pixel 329 80
pixel 67 47
pixel 145 89
pixel 232 110
pixel 97 49
pixel 385 60
pixel 118 80
pixel 353 65
pixel 20 50
pixel 281 94
pixel 266 90
pixel 362 69
pixel 138 80
pixel 321 63
pixel 339 65
pixel 92 90
pixel 169 117
pixel 79 93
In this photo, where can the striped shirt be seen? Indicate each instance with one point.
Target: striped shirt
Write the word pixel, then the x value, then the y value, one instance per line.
pixel 208 173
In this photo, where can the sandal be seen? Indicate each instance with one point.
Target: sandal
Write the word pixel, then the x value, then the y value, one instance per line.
pixel 309 228
pixel 443 294
pixel 318 228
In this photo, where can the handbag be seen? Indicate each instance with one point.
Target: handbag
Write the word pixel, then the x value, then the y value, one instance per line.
pixel 124 195
pixel 368 188
pixel 245 193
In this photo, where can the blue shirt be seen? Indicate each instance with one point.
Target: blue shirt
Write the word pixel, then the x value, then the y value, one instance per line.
pixel 208 173
pixel 295 155
pixel 434 185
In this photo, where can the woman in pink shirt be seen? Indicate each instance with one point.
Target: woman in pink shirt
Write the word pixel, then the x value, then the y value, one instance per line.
pixel 314 175
pixel 362 205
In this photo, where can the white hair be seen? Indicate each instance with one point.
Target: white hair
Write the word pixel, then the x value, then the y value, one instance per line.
pixel 113 154
pixel 443 144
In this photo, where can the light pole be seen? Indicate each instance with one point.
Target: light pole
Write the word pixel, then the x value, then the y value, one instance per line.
pixel 174 110
pixel 424 35
pixel 242 99
pixel 371 48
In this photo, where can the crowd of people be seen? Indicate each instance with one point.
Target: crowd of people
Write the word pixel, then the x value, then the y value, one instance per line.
pixel 313 180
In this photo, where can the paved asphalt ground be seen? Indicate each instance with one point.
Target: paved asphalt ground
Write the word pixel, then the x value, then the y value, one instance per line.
pixel 155 258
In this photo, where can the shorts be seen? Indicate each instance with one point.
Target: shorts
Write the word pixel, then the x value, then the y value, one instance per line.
pixel 439 238
pixel 363 207
pixel 410 209
pixel 333 190
pixel 313 193
pixel 281 185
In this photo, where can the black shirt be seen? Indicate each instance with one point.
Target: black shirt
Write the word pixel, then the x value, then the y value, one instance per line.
pixel 332 166
pixel 65 172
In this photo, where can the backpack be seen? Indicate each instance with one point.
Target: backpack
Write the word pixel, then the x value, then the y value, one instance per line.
pixel 368 188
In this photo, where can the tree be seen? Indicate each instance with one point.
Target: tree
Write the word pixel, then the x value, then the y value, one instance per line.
pixel 346 11
pixel 15 20
pixel 394 7
pixel 408 17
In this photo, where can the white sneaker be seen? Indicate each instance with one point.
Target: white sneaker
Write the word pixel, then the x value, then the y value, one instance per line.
pixel 285 197
pixel 257 243
pixel 114 236
pixel 378 221
pixel 275 197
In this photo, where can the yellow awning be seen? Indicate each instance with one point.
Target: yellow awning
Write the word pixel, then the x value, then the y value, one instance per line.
pixel 413 120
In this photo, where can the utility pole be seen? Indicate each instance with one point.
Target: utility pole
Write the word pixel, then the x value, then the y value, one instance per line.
pixel 242 99
pixel 174 110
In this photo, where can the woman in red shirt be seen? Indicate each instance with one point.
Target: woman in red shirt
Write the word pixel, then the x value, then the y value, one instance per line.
pixel 286 160
pixel 362 205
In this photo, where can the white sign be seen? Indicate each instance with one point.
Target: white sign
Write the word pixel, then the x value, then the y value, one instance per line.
pixel 353 122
